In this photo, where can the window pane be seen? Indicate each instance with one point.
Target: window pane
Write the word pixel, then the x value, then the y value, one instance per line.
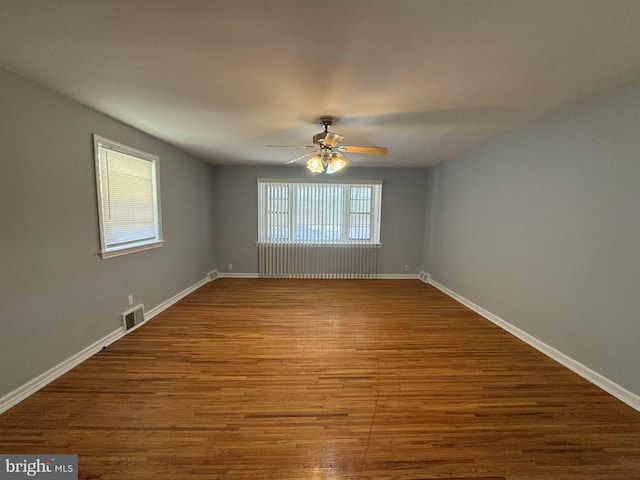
pixel 359 226
pixel 319 213
pixel 360 199
pixel 278 213
pixel 128 198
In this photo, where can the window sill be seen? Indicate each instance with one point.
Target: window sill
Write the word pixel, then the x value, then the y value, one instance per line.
pixel 132 249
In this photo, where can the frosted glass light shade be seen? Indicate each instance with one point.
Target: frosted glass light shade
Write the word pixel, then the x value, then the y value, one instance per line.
pixel 336 164
pixel 315 164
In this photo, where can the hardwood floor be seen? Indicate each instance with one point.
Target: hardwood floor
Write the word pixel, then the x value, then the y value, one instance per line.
pixel 313 379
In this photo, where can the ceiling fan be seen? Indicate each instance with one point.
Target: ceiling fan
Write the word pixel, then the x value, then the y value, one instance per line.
pixel 326 156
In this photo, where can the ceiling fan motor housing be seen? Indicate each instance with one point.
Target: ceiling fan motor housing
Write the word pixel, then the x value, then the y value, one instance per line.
pixel 328 139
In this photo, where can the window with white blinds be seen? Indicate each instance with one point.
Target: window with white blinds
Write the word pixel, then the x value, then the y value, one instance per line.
pixel 128 198
pixel 296 211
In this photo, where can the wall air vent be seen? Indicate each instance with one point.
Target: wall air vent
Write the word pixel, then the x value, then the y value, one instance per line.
pixel 212 275
pixel 132 318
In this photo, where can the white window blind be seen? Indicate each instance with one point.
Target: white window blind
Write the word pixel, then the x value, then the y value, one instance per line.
pixel 303 212
pixel 128 198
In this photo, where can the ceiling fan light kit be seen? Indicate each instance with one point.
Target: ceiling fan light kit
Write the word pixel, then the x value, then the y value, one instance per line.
pixel 327 163
pixel 325 159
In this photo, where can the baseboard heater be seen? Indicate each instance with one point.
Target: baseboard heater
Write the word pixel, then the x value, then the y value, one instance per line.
pixel 292 260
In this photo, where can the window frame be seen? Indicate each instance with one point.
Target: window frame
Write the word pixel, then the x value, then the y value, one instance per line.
pixel 292 221
pixel 132 246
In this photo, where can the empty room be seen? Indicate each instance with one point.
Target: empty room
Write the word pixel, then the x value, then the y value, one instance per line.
pixel 285 239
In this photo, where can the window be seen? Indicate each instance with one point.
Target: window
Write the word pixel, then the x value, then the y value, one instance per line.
pixel 128 191
pixel 318 213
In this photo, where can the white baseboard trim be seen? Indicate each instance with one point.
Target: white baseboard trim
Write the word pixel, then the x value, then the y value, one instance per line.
pixel 397 276
pixel 238 275
pixel 585 372
pixel 16 396
pixel 31 387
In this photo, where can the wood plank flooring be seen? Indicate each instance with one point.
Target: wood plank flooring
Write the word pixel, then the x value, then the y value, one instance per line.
pixel 326 379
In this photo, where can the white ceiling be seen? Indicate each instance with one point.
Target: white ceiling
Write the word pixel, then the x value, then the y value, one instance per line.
pixel 429 79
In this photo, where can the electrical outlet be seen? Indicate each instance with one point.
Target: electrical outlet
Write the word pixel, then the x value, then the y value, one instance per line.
pixel 406 268
pixel 230 266
pixel 130 298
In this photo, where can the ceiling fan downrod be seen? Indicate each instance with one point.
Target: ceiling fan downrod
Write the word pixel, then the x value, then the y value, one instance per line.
pixel 326 122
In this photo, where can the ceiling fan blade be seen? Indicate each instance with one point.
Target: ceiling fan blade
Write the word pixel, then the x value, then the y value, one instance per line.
pixel 301 157
pixel 361 149
pixel 291 146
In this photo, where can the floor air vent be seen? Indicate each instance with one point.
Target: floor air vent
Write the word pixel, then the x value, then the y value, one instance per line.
pixel 132 318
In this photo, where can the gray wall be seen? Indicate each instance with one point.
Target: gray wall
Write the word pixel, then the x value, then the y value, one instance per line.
pixel 542 228
pixel 403 219
pixel 57 295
